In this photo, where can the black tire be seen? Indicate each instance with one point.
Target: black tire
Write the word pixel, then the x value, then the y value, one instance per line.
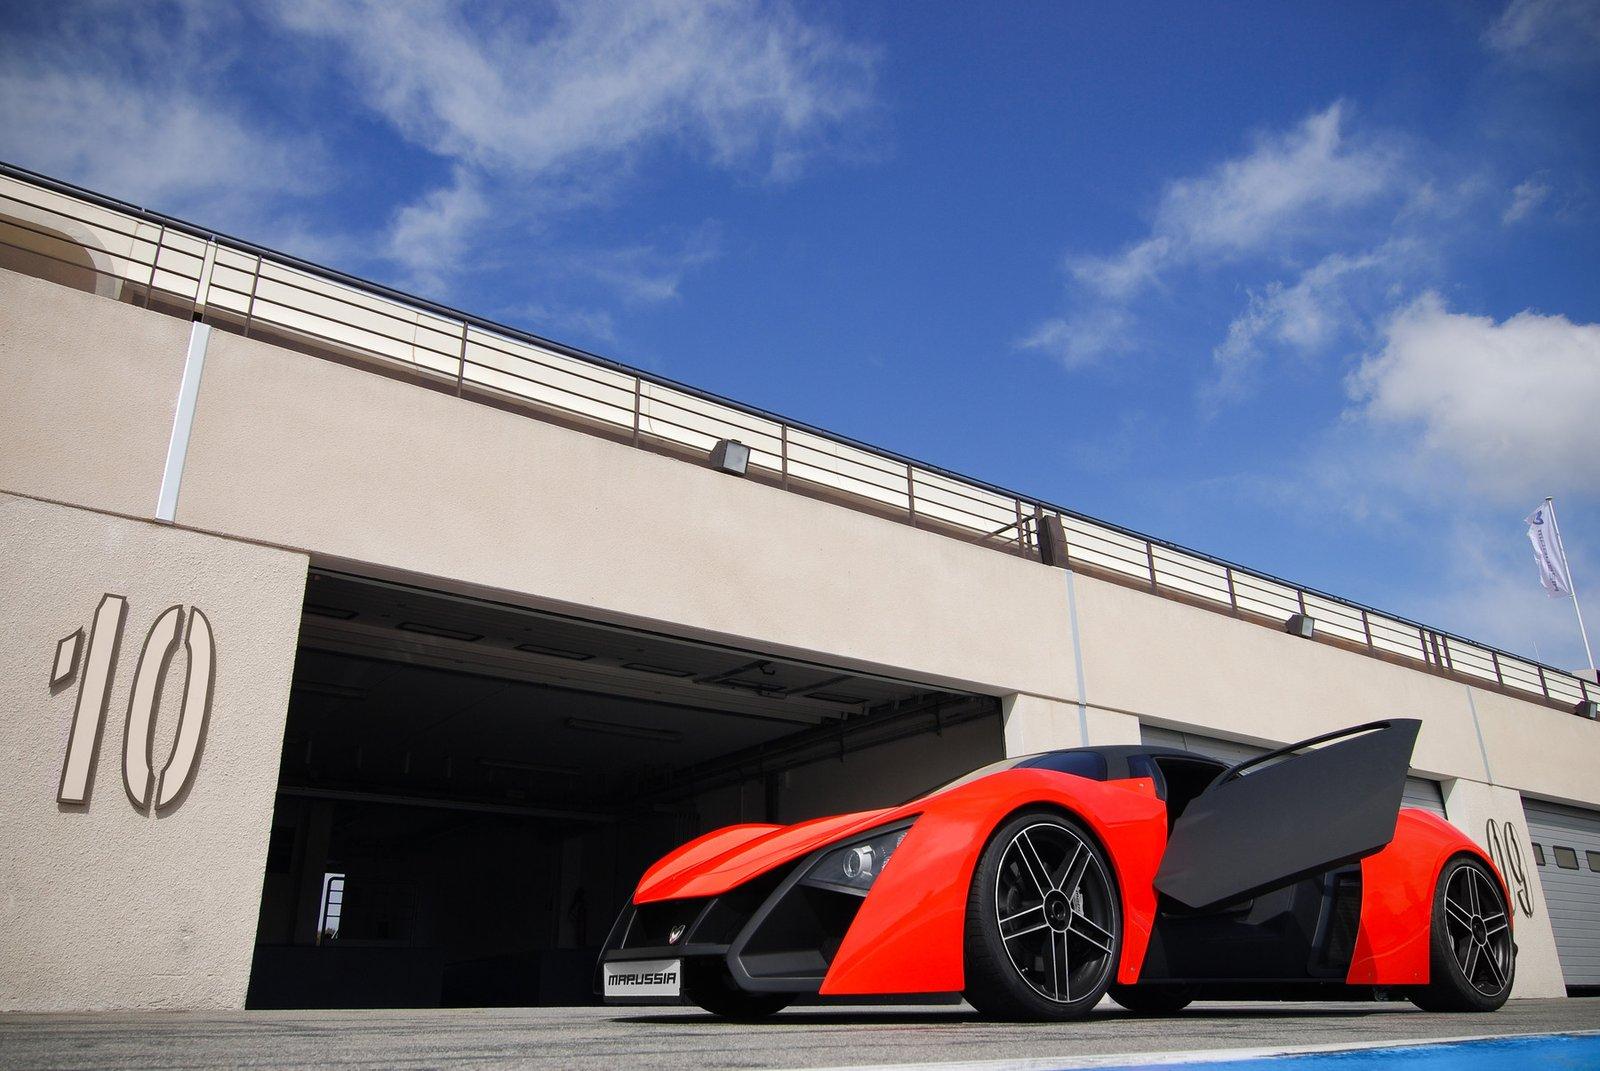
pixel 1472 961
pixel 708 983
pixel 1060 968
pixel 1158 999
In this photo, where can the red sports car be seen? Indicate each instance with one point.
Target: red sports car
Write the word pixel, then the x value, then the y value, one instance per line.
pixel 1033 886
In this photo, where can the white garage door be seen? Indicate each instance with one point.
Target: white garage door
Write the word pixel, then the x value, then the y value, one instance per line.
pixel 1566 848
pixel 1419 792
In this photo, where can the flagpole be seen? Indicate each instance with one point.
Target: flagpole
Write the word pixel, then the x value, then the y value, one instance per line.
pixel 1572 587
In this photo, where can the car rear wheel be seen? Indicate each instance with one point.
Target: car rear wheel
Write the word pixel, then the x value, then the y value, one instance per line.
pixel 1159 999
pixel 1044 925
pixel 1473 960
pixel 708 983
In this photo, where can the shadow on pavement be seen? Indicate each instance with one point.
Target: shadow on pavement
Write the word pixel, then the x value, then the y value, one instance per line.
pixel 875 1017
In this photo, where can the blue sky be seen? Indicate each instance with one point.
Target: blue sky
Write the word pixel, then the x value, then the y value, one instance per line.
pixel 1312 288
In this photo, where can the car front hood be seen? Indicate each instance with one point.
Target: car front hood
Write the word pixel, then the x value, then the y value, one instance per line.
pixel 729 857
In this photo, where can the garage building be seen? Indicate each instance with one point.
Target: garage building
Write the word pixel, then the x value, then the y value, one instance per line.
pixel 361 651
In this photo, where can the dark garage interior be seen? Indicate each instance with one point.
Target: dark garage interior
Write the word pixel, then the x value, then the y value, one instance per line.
pixel 469 791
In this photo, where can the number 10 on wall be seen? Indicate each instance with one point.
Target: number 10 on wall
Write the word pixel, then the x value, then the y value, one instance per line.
pixel 95 668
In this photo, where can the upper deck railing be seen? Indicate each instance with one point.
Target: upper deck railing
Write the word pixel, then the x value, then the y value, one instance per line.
pixel 80 238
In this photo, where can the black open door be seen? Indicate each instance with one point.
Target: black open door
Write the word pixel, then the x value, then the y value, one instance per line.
pixel 1261 827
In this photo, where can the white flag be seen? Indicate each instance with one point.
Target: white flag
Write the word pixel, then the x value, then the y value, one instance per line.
pixel 1546 540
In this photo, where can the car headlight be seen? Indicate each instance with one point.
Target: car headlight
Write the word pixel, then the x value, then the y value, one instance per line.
pixel 853 867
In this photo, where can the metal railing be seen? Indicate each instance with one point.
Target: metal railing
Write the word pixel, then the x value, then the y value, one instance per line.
pixel 128 253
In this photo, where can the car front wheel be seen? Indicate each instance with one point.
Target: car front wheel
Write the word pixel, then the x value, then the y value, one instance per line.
pixel 707 982
pixel 1044 925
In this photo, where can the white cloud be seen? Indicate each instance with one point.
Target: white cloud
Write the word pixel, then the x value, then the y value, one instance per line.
pixel 1287 184
pixel 651 273
pixel 1124 274
pixel 1527 196
pixel 539 89
pixel 124 105
pixel 1281 184
pixel 534 112
pixel 1505 410
pixel 1549 33
pixel 1291 188
pixel 1082 339
pixel 429 235
pixel 573 324
pixel 1305 317
pixel 534 103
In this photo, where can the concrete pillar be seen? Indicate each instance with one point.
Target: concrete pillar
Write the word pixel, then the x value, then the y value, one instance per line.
pixel 1492 816
pixel 1034 723
pixel 1112 727
pixel 137 889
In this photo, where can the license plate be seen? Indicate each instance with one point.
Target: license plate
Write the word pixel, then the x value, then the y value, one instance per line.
pixel 643 978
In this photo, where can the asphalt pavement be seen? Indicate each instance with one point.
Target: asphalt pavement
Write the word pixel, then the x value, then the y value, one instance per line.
pixel 585 1038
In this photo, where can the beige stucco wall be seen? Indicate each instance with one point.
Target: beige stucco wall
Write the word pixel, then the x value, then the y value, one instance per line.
pixel 1541 751
pixel 90 386
pixel 1181 666
pixel 1033 724
pixel 352 466
pixel 102 906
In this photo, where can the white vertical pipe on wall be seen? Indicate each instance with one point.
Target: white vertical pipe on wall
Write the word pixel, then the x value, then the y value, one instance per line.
pixel 183 422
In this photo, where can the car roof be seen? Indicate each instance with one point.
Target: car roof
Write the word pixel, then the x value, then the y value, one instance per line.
pixel 1116 756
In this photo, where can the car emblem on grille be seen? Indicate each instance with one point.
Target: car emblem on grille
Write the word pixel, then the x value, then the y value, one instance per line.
pixel 676 932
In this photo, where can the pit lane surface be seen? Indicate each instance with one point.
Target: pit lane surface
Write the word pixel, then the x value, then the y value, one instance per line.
pixel 585 1038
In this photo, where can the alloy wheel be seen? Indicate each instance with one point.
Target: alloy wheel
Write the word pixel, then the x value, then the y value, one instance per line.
pixel 1478 930
pixel 1054 910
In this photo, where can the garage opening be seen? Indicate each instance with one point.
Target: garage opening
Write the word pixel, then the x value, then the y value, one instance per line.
pixel 1566 849
pixel 469 790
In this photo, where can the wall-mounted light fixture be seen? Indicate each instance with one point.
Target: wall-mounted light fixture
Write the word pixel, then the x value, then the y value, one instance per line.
pixel 1302 625
pixel 1587 708
pixel 1052 540
pixel 730 456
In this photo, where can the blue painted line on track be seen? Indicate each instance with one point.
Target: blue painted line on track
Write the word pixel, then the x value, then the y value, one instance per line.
pixel 1562 1052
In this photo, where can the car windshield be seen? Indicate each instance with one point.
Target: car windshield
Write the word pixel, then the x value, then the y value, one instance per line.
pixel 1083 762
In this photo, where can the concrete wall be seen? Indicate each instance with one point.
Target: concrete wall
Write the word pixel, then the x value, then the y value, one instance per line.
pixel 90 389
pixel 1540 751
pixel 349 465
pixel 1180 666
pixel 104 906
pixel 1034 724
pixel 360 470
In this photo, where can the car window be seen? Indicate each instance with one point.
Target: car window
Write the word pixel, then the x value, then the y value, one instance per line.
pixel 1088 764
